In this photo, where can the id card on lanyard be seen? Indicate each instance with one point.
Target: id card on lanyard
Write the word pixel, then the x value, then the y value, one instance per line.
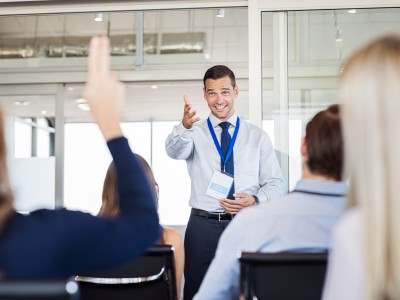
pixel 220 185
pixel 221 182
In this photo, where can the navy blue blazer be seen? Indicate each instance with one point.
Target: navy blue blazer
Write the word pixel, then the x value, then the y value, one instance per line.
pixel 51 244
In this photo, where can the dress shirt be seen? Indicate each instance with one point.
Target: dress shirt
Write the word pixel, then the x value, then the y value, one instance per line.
pixel 345 275
pixel 299 221
pixel 54 244
pixel 257 171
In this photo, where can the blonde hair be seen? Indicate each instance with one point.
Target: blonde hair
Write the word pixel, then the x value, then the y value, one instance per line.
pixel 370 88
pixel 6 193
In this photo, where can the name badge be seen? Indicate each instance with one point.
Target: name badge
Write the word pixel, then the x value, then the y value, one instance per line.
pixel 219 185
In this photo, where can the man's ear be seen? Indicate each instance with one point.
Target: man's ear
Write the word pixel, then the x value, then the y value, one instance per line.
pixel 236 90
pixel 303 147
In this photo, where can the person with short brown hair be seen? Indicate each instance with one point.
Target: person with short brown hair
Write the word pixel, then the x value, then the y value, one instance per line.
pixel 324 144
pixel 300 221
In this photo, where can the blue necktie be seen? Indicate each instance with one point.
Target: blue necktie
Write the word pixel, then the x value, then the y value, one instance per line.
pixel 225 142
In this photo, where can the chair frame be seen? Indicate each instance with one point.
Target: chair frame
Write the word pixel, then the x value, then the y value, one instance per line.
pixel 166 273
pixel 250 260
pixel 39 289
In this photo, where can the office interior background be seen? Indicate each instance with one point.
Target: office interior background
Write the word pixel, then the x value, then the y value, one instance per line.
pixel 286 55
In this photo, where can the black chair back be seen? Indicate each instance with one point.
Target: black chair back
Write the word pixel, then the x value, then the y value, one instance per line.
pixel 151 276
pixel 39 290
pixel 282 276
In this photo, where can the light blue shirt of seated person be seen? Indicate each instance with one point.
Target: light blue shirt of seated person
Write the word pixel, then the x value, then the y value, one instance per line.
pixel 300 221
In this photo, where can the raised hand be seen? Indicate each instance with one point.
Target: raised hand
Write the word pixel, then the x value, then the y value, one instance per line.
pixel 103 91
pixel 189 115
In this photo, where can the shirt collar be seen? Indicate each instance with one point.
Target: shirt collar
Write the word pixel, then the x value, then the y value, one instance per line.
pixel 323 187
pixel 215 121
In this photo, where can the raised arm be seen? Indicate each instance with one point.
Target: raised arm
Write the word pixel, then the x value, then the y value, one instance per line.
pixel 137 227
pixel 104 93
pixel 179 143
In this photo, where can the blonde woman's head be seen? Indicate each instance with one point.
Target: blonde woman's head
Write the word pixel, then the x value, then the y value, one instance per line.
pixel 370 90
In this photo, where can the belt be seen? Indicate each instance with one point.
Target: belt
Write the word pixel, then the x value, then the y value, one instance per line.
pixel 222 217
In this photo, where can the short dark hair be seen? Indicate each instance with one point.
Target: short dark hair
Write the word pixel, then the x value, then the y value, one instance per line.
pixel 219 71
pixel 325 143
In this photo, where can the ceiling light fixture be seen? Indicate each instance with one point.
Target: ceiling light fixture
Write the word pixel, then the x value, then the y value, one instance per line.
pixel 220 12
pixel 154 87
pixel 82 104
pixel 338 36
pixel 98 17
pixel 21 103
pixel 352 11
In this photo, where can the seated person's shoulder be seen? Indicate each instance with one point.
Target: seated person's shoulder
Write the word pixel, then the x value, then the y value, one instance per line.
pixel 349 224
pixel 172 237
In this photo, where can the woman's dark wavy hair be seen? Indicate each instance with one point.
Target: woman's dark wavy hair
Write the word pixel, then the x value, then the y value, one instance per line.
pixel 110 201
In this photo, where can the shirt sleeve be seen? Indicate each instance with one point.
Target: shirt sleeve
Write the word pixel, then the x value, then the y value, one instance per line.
pixel 179 143
pixel 272 183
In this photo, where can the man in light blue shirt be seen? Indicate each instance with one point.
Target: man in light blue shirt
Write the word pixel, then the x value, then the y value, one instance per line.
pixel 300 221
pixel 249 159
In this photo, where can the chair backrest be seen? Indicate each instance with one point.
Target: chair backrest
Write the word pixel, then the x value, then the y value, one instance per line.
pixel 283 276
pixel 151 276
pixel 39 290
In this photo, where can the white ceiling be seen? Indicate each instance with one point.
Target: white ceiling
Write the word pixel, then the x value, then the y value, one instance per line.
pixel 223 43
pixel 314 58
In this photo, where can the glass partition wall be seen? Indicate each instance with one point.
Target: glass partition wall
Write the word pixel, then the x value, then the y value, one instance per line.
pixel 29 118
pixel 318 42
pixel 138 39
pixel 162 55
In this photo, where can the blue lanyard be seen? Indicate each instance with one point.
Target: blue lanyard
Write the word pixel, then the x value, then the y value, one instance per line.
pixel 233 140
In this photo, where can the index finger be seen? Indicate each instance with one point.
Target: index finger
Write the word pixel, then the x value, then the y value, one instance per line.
pixel 99 56
pixel 239 195
pixel 186 100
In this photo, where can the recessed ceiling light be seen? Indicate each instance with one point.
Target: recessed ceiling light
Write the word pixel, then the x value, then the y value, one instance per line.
pixel 352 11
pixel 98 17
pixel 338 35
pixel 21 102
pixel 82 104
pixel 221 12
pixel 44 112
pixel 154 87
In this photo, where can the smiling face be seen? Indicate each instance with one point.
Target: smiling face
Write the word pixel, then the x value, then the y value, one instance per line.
pixel 220 96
